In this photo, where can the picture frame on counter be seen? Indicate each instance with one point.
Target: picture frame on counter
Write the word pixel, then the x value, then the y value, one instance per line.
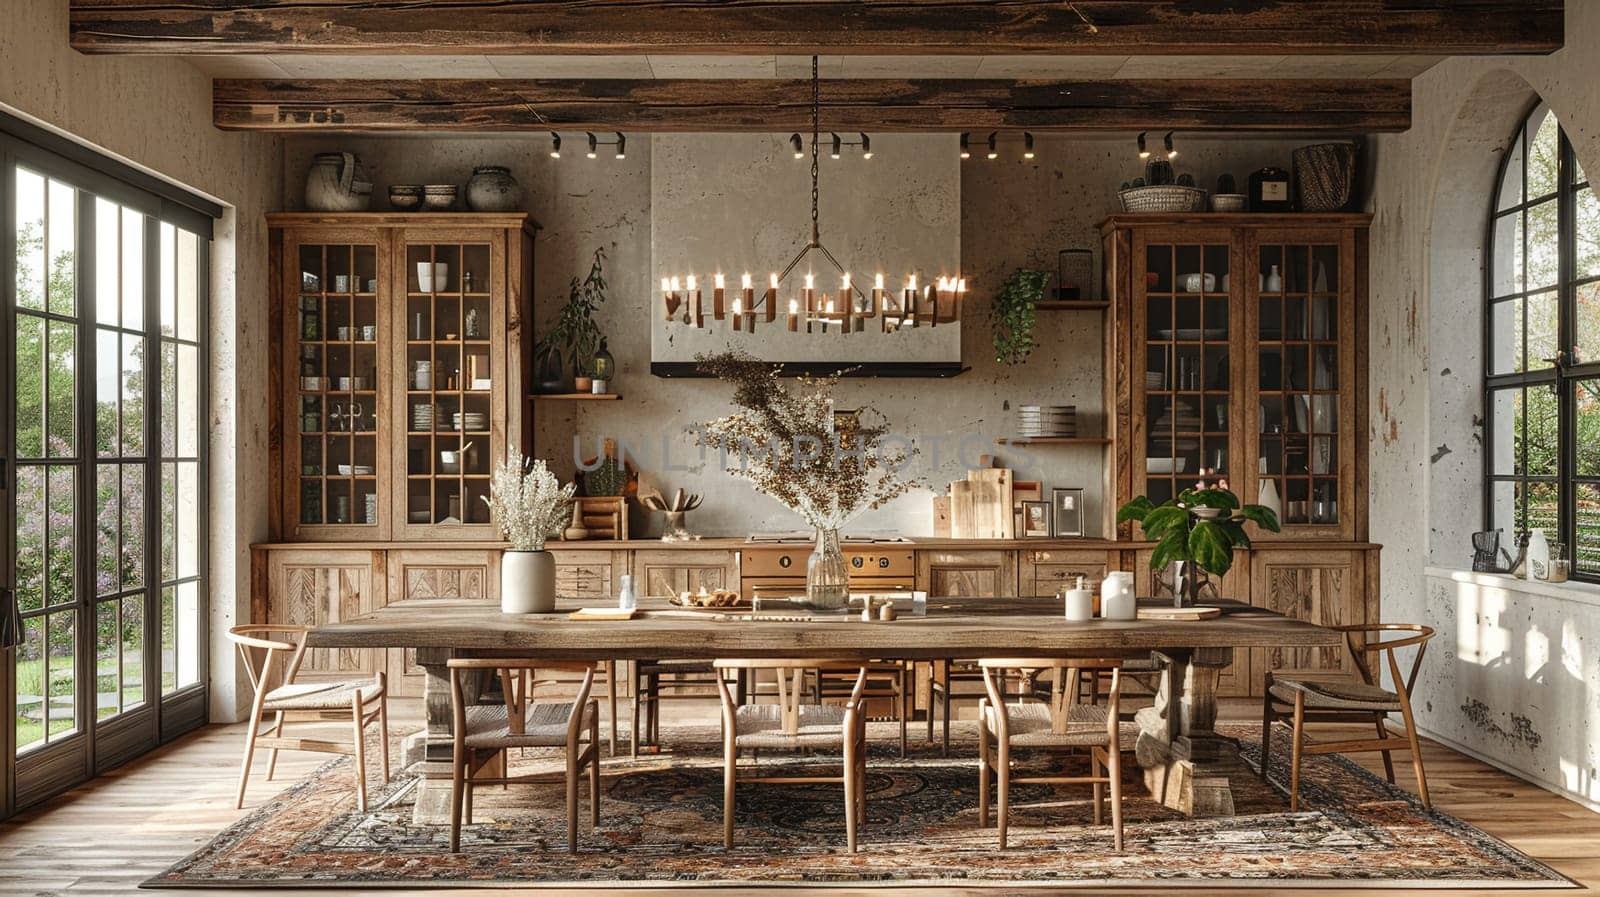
pixel 1036 520
pixel 1066 512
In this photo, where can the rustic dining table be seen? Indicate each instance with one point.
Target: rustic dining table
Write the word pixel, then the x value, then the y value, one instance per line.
pixel 1187 764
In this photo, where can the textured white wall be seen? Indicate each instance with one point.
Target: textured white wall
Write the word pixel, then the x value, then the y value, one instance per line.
pixel 156 113
pixel 1431 202
pixel 1013 213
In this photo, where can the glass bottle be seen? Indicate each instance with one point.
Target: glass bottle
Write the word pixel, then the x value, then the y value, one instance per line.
pixel 604 364
pixel 626 600
pixel 827 574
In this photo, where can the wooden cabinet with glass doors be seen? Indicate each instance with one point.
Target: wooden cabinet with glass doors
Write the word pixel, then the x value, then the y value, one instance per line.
pixel 1237 348
pixel 401 361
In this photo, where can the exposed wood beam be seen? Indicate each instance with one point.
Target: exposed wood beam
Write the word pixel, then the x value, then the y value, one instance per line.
pixel 874 27
pixel 1363 105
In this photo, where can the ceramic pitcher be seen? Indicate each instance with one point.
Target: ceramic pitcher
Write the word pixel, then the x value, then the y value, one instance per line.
pixel 337 183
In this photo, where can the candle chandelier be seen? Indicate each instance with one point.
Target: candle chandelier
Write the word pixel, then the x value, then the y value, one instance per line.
pixel 847 309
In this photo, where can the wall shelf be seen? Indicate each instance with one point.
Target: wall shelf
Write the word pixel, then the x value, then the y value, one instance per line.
pixel 1052 440
pixel 1072 305
pixel 575 397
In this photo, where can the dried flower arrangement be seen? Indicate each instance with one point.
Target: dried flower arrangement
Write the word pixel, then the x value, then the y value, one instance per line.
pixel 529 502
pixel 791 445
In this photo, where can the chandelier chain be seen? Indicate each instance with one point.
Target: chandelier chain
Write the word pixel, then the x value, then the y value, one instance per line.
pixel 816 103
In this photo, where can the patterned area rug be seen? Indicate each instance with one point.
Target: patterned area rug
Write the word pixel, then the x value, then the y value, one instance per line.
pixel 661 824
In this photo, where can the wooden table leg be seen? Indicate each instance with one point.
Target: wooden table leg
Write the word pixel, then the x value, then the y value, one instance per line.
pixel 427 753
pixel 1187 765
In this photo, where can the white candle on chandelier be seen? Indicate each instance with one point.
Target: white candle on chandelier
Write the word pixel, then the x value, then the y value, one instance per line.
pixel 717 286
pixel 908 307
pixel 794 316
pixel 772 298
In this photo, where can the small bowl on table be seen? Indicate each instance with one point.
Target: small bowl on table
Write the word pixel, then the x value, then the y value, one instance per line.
pixel 439 197
pixel 406 197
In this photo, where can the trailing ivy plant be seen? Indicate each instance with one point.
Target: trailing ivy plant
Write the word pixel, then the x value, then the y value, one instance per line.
pixel 1013 314
pixel 1201 526
pixel 575 329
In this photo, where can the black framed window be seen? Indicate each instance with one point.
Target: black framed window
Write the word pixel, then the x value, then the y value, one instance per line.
pixel 103 298
pixel 1542 345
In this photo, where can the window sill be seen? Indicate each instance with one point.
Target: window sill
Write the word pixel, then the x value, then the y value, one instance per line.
pixel 1585 593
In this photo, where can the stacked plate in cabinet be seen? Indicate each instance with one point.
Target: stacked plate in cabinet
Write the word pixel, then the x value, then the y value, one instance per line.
pixel 1182 418
pixel 421 418
pixel 1047 421
pixel 470 420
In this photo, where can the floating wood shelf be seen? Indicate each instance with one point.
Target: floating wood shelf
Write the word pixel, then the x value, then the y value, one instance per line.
pixel 1072 305
pixel 576 396
pixel 1052 440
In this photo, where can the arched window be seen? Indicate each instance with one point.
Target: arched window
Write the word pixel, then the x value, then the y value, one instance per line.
pixel 1542 345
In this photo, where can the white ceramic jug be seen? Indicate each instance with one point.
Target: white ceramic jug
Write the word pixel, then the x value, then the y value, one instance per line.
pixel 1117 598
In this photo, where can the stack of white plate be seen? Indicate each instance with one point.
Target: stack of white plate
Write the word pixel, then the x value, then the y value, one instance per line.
pixel 1177 427
pixel 421 417
pixel 1038 421
pixel 470 420
pixel 1155 380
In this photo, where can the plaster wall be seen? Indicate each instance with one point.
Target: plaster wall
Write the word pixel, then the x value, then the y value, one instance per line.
pixel 1012 213
pixel 1431 200
pixel 156 113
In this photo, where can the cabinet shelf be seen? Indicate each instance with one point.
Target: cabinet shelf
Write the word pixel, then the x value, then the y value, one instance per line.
pixel 1052 440
pixel 575 397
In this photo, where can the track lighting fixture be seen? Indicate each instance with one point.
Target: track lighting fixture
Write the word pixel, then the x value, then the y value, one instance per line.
pixel 966 145
pixel 622 146
pixel 797 145
pixel 994 152
pixel 593 143
pixel 837 143
pixel 1027 144
pixel 555 145
pixel 1172 153
pixel 1143 152
pixel 866 146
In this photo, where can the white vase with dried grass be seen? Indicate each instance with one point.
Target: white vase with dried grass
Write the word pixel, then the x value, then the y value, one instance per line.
pixel 530 505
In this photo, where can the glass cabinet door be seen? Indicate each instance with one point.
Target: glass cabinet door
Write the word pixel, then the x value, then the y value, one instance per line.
pixel 1184 325
pixel 452 376
pixel 336 348
pixel 1302 313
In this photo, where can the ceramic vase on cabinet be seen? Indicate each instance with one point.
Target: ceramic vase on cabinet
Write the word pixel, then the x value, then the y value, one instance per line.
pixel 337 183
pixel 1274 281
pixel 527 582
pixel 1267 492
pixel 493 189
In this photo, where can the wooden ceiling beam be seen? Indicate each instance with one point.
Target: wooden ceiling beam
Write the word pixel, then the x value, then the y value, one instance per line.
pixel 851 27
pixel 1360 105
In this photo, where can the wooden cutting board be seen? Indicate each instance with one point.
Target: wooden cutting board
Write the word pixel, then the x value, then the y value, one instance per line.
pixel 991 503
pixel 962 525
pixel 602 614
pixel 1179 613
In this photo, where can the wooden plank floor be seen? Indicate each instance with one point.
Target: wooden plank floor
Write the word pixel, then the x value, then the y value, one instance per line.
pixel 112 833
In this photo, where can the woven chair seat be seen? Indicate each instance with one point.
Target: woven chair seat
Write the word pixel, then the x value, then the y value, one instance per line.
pixel 761 726
pixel 1030 725
pixel 545 725
pixel 320 695
pixel 1336 695
pixel 676 667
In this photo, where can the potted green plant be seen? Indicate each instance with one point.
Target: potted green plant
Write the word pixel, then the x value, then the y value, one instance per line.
pixel 1200 528
pixel 575 330
pixel 1013 314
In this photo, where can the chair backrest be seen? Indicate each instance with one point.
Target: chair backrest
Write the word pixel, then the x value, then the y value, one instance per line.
pixel 1355 638
pixel 257 637
pixel 1063 687
pixel 517 684
pixel 791 672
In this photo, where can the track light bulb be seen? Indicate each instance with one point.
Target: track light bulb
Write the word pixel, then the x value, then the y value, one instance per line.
pixel 622 146
pixel 866 146
pixel 593 144
pixel 966 147
pixel 1027 144
pixel 1172 153
pixel 994 152
pixel 555 145
pixel 837 143
pixel 1143 152
pixel 798 145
